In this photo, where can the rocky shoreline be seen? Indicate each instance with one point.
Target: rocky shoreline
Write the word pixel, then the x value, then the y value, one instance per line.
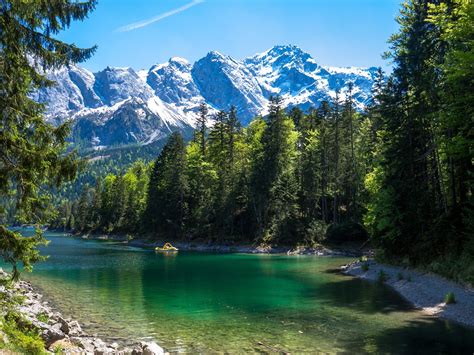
pixel 425 291
pixel 245 249
pixel 59 333
pixel 205 246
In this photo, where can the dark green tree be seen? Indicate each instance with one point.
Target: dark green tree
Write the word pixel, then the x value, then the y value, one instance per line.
pixel 166 209
pixel 410 197
pixel 201 127
pixel 274 182
pixel 31 153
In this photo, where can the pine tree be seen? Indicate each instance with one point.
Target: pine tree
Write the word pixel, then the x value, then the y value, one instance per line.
pixel 296 115
pixel 218 155
pixel 96 204
pixel 32 150
pixel 323 114
pixel 107 205
pixel 223 156
pixel 311 171
pixel 201 127
pixel 202 178
pixel 83 209
pixel 166 209
pixel 119 203
pixel 352 171
pixel 233 128
pixel 336 158
pixel 455 23
pixel 454 20
pixel 410 195
pixel 274 181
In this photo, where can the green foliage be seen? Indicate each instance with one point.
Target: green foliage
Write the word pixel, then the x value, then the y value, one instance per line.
pixel 382 276
pixel 274 183
pixel 400 276
pixel 22 335
pixel 364 267
pixel 58 350
pixel 420 183
pixel 115 205
pixel 450 298
pixel 202 178
pixel 458 267
pixel 15 248
pixel 271 182
pixel 166 205
pixel 346 232
pixel 315 233
pixel 32 153
pixel 42 317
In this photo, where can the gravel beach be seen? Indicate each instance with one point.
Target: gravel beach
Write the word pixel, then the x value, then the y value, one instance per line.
pixel 424 290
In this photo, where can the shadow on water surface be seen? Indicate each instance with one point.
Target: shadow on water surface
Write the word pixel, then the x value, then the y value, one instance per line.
pixel 339 290
pixel 425 336
pixel 335 271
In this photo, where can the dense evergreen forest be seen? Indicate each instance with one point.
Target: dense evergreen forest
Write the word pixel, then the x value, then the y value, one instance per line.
pixel 285 178
pixel 402 171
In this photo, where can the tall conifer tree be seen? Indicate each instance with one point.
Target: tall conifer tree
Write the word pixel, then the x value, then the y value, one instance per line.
pixel 31 151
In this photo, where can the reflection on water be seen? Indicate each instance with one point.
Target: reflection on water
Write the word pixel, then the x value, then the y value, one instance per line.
pixel 238 303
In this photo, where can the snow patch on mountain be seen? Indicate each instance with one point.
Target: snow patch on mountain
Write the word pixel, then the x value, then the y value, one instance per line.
pixel 121 105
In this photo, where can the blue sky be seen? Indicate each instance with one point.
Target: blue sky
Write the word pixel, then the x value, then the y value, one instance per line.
pixel 140 33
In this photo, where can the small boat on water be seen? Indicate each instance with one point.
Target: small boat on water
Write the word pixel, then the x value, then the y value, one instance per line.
pixel 167 248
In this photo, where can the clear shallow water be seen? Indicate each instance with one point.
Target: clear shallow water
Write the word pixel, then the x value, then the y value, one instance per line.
pixel 204 302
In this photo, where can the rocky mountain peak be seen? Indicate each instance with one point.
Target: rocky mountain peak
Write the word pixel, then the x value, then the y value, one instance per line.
pixel 121 106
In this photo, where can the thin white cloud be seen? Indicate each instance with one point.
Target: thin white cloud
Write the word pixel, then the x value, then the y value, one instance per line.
pixel 140 24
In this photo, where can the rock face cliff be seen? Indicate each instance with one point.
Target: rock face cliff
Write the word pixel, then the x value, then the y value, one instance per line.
pixel 118 106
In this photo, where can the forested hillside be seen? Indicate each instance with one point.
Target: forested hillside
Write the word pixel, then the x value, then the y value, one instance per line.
pixel 402 169
pixel 284 179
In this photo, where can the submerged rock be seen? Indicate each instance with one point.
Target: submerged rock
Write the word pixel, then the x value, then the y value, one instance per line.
pixel 65 335
pixel 151 348
pixel 84 343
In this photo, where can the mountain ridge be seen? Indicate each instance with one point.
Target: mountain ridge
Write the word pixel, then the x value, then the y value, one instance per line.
pixel 120 105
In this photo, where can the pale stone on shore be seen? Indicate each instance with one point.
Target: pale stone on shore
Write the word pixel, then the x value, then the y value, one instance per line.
pixel 63 334
pixel 424 291
pixel 151 348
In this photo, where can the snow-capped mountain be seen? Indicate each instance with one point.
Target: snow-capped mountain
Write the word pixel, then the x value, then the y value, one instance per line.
pixel 122 106
pixel 224 82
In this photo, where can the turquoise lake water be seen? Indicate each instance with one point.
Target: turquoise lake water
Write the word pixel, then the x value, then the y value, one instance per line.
pixel 206 302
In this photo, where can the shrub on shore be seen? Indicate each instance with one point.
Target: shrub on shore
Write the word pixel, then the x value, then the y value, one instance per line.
pixel 17 334
pixel 382 276
pixel 450 298
pixel 346 232
pixel 22 336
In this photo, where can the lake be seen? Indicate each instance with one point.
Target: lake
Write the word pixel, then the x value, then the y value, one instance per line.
pixel 209 302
